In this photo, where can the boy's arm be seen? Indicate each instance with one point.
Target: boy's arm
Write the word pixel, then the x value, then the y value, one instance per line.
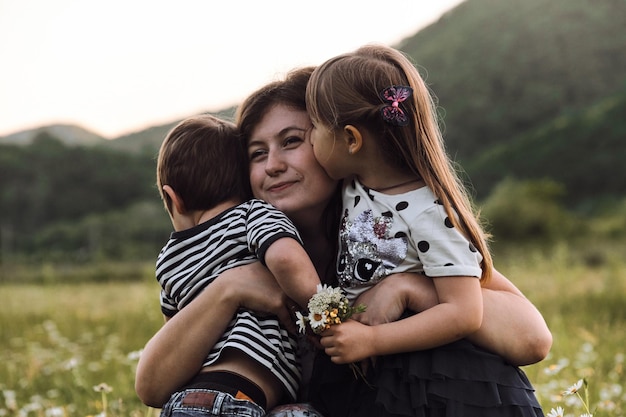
pixel 293 269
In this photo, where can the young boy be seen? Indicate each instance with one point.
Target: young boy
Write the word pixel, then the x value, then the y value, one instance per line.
pixel 203 181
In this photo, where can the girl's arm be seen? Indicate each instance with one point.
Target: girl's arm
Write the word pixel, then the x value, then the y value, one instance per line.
pixel 512 327
pixel 458 314
pixel 176 352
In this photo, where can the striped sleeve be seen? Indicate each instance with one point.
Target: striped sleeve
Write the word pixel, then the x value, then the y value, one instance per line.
pixel 266 224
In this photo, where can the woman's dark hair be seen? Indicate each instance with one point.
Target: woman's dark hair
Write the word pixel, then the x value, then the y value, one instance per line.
pixel 289 92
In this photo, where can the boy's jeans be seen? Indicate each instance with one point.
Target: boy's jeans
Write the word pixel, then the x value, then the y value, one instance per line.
pixel 206 402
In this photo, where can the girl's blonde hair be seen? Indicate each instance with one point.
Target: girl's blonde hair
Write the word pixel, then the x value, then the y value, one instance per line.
pixel 345 90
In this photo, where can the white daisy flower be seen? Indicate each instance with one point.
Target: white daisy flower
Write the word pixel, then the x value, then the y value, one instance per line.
pixel 102 387
pixel 574 388
pixel 300 322
pixel 558 412
pixel 317 321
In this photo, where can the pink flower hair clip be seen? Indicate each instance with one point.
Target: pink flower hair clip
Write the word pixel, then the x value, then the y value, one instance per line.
pixel 391 112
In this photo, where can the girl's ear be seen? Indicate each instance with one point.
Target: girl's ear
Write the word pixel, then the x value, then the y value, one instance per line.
pixel 177 202
pixel 354 139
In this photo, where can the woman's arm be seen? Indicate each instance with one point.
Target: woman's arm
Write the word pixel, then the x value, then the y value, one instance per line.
pixel 176 352
pixel 512 327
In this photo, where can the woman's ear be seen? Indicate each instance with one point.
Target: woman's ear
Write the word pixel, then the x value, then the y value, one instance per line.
pixel 177 202
pixel 353 138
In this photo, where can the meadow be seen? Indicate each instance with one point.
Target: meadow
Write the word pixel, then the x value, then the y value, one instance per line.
pixel 72 349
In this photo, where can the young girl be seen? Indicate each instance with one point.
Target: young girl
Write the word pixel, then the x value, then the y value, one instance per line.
pixel 405 210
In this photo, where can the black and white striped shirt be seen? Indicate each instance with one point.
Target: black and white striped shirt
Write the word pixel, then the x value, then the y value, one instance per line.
pixel 193 258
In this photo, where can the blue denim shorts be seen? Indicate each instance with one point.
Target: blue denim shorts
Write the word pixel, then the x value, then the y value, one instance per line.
pixel 199 402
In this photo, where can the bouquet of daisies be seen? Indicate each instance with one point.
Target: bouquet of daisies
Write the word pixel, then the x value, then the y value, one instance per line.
pixel 327 307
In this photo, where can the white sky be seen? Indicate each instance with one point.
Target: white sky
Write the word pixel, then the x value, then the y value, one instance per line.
pixel 118 66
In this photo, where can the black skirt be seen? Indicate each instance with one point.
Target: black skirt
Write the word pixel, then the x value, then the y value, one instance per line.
pixel 455 380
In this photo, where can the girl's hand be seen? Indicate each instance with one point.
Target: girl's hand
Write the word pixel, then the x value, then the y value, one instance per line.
pixel 348 342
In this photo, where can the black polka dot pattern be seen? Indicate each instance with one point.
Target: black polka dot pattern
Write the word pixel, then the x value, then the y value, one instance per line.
pixel 402 205
pixel 432 248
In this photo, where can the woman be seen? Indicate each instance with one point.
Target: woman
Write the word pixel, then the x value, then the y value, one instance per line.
pixel 284 172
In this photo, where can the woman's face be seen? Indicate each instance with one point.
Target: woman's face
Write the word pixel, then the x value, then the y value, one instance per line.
pixel 283 168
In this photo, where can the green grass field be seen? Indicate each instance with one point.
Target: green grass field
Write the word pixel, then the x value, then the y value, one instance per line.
pixel 71 350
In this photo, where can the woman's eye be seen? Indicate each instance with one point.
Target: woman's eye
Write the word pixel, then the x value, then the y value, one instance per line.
pixel 257 154
pixel 292 140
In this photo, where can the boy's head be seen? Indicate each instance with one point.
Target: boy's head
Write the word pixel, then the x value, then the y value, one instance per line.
pixel 204 162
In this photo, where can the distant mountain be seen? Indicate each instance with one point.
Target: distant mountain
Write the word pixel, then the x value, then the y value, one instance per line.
pixel 68 134
pixel 500 68
pixel 530 89
pixel 149 140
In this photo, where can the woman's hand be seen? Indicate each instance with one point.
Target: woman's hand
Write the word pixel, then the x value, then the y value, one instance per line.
pixel 254 288
pixel 176 352
pixel 389 298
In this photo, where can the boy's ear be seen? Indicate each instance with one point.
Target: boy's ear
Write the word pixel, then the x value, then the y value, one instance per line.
pixel 354 139
pixel 177 202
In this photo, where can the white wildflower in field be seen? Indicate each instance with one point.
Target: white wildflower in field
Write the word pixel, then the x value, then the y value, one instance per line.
pixel 71 364
pixel 555 368
pixel 10 399
pixel 102 387
pixel 574 388
pixel 134 355
pixel 607 405
pixel 55 412
pixel 558 412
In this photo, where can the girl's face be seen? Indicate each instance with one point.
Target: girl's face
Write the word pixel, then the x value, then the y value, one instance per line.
pixel 283 169
pixel 326 149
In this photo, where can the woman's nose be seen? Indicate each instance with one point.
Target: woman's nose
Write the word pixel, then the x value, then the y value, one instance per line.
pixel 274 164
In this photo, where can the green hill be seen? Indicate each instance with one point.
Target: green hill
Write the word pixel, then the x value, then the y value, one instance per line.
pixel 582 150
pixel 527 89
pixel 500 68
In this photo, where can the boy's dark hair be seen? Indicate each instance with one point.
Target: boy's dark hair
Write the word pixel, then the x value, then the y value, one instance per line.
pixel 205 162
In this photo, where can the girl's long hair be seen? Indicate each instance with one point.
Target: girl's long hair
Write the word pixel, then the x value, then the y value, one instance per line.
pixel 346 90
